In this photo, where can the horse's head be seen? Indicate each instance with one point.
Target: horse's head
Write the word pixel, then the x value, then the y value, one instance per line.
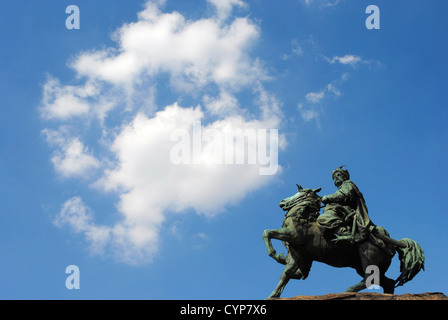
pixel 303 195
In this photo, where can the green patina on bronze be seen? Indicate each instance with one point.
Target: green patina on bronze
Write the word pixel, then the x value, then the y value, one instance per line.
pixel 342 236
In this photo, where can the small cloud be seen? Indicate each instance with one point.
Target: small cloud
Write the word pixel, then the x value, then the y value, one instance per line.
pixel 296 47
pixel 202 236
pixel 79 217
pixel 73 158
pixel 347 59
pixel 315 97
pixel 307 114
pixel 329 4
pixel 175 230
pixel 63 102
pixel 351 60
pixel 296 50
pixel 124 239
pixel 322 3
pixel 201 240
pixel 225 104
pixel 225 7
pixel 333 89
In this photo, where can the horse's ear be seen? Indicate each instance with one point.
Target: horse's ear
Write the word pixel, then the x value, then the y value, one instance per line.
pixel 300 187
pixel 317 190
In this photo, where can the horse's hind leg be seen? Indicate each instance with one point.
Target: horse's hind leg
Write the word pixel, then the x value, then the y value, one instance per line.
pixel 371 257
pixel 361 285
pixel 361 270
pixel 357 287
pixel 387 284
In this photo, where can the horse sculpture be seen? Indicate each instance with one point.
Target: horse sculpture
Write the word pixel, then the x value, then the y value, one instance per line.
pixel 305 243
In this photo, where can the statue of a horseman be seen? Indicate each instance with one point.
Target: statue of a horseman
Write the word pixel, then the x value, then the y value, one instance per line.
pixel 342 236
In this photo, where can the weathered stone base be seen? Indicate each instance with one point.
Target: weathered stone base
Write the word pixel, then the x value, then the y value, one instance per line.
pixel 372 296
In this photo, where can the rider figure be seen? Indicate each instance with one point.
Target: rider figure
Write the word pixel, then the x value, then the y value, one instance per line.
pixel 345 217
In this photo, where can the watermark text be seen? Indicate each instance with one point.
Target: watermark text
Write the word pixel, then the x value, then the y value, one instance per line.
pixel 226 146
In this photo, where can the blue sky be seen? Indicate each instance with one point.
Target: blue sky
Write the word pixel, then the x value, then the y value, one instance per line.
pixel 85 173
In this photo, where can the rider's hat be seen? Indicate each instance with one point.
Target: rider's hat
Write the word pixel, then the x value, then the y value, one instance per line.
pixel 343 171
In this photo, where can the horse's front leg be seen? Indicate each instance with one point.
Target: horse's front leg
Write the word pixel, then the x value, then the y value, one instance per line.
pixel 289 272
pixel 283 234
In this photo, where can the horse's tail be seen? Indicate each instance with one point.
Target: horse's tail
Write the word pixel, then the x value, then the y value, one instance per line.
pixel 410 254
pixel 412 260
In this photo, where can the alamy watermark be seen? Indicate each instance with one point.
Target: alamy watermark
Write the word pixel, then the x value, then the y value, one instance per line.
pixel 373 280
pixel 230 146
pixel 73 20
pixel 73 280
pixel 373 20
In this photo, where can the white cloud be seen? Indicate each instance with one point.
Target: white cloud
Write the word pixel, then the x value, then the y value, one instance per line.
pixel 72 158
pixel 309 112
pixel 121 241
pixel 349 59
pixel 296 50
pixel 145 172
pixel 315 97
pixel 329 4
pixel 225 104
pixel 208 60
pixel 63 102
pixel 323 3
pixel 151 188
pixel 224 7
pixel 79 217
pixel 193 53
pixel 331 88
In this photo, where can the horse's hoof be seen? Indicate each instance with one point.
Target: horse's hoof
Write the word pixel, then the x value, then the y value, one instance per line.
pixel 280 257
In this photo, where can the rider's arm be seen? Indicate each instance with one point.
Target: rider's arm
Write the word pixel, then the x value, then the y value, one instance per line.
pixel 342 196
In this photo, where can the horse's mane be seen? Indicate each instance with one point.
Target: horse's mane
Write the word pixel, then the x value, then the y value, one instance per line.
pixel 305 209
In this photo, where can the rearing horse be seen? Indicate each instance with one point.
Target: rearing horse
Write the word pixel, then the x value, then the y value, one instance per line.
pixel 305 243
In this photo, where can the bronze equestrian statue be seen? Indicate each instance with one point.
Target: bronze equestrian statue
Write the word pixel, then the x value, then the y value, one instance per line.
pixel 342 236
